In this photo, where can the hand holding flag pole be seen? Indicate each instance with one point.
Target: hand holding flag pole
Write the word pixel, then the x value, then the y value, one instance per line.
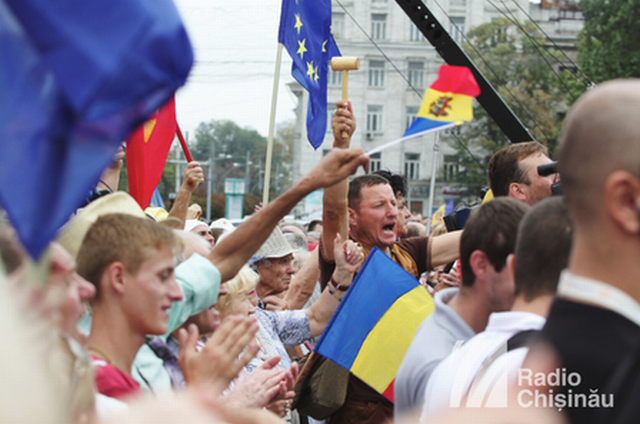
pixel 183 143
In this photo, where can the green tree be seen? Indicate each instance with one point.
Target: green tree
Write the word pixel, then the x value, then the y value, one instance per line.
pixel 229 145
pixel 514 62
pixel 607 46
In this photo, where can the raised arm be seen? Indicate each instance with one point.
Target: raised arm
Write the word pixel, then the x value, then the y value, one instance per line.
pixel 335 215
pixel 303 283
pixel 234 250
pixel 445 248
pixel 193 177
pixel 349 258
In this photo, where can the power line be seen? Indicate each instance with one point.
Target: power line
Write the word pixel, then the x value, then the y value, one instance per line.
pixel 536 45
pixel 380 49
pixel 490 68
pixel 589 82
pixel 418 92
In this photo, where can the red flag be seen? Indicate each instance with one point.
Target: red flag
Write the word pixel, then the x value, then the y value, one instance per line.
pixel 147 151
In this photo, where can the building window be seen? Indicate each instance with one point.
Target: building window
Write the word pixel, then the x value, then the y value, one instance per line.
pixel 337 25
pixel 375 162
pixel 458 3
pixel 331 109
pixel 374 118
pixel 378 1
pixel 456 28
pixel 415 34
pixel 416 74
pixel 412 114
pixel 335 78
pixel 379 26
pixel 412 166
pixel 451 167
pixel 376 73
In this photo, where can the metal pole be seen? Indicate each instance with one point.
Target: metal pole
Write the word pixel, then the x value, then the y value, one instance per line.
pixel 246 174
pixel 209 180
pixel 432 186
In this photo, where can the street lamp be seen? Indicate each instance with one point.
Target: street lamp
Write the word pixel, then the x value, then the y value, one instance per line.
pixel 233 166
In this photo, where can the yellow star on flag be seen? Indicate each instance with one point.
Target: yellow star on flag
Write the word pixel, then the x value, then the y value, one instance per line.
pixel 310 70
pixel 301 48
pixel 316 76
pixel 324 44
pixel 298 24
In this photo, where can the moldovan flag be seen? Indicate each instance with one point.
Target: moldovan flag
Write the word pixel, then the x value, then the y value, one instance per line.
pixel 374 324
pixel 147 151
pixel 447 100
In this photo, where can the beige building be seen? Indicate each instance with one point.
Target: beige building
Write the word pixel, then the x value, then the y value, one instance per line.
pixel 397 64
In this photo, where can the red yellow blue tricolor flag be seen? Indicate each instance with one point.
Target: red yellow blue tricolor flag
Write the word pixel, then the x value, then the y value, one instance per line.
pixel 447 100
pixel 375 323
pixel 445 104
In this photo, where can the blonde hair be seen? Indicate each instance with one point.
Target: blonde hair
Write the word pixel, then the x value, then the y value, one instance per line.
pixel 244 281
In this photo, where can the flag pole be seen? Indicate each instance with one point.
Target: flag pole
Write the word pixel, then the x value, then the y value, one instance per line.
pixel 432 185
pixel 272 123
pixel 183 143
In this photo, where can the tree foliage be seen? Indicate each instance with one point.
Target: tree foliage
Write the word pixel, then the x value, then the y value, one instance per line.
pixel 608 46
pixel 515 63
pixel 229 145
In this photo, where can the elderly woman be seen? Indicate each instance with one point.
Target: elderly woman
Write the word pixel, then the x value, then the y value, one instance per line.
pixel 282 329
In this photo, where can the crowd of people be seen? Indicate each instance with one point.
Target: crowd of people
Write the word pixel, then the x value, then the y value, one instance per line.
pixel 149 315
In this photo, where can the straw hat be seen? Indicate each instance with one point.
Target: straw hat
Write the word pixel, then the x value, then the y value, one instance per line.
pixel 276 246
pixel 72 234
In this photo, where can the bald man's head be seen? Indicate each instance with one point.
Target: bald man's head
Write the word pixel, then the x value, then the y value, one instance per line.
pixel 601 135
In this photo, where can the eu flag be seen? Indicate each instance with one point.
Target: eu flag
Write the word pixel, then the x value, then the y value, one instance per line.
pixel 76 78
pixel 305 33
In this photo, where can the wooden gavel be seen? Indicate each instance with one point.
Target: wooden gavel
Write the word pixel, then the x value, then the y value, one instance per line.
pixel 345 64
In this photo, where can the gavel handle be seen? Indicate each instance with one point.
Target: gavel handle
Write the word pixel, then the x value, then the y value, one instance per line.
pixel 345 94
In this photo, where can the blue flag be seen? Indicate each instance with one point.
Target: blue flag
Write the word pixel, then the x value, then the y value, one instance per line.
pixel 305 33
pixel 373 326
pixel 76 78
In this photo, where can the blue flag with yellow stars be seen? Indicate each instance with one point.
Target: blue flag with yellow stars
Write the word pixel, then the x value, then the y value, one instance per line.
pixel 305 33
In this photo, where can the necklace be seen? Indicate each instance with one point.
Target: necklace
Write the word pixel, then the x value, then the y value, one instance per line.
pixel 101 354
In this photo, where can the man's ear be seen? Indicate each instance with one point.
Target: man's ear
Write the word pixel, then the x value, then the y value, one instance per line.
pixel 479 263
pixel 353 217
pixel 115 275
pixel 622 194
pixel 511 265
pixel 517 191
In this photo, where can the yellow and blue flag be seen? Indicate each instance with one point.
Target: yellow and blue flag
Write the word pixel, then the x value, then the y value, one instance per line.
pixel 375 323
pixel 305 33
pixel 447 100
pixel 76 78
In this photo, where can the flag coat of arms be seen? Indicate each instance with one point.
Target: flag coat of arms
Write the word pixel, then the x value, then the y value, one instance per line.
pixel 374 324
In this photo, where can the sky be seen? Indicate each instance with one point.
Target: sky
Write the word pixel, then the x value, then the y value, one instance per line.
pixel 235 46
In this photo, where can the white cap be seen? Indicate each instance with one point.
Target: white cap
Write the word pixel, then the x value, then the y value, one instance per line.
pixel 276 246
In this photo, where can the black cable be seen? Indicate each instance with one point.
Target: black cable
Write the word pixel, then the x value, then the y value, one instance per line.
pixel 498 78
pixel 588 84
pixel 419 93
pixel 536 45
pixel 379 49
